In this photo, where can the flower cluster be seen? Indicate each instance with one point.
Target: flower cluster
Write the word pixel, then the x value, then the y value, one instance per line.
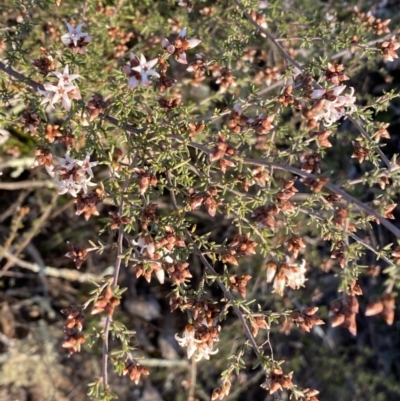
pixel 241 245
pixel 331 105
pixel 289 275
pixel 45 63
pixel 238 121
pixel 221 392
pixel 377 25
pixel 158 253
pixel 86 203
pixel 72 175
pixel 206 198
pixel 179 47
pixel 307 319
pixel 73 329
pixel 134 370
pixel 276 381
pixel 138 70
pixel 344 312
pixel 75 39
pixel 199 337
pixel 265 215
pixel 145 179
pixel 221 149
pixel 31 122
pixel 385 306
pixel 65 90
pixel 76 253
pixel 388 48
pixel 106 302
pixel 238 282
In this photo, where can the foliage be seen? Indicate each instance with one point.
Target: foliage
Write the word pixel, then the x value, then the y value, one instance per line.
pixel 231 154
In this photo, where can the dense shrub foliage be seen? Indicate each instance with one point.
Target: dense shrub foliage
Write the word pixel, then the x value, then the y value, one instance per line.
pixel 223 177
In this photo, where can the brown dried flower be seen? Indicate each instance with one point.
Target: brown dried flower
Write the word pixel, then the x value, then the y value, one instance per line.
pixel 388 49
pixel 76 253
pixel 239 282
pixel 96 105
pixel 45 63
pixel 134 370
pixel 106 302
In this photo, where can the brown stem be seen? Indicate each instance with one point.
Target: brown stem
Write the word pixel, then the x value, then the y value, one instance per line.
pixel 118 262
pixel 334 188
pixel 22 78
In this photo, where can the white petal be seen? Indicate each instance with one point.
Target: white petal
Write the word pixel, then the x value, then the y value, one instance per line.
pixel 153 73
pixel 150 248
pixel 66 102
pixel 133 83
pixel 191 349
pixel 145 80
pixel 150 64
pixel 193 43
pixel 182 33
pixel 133 56
pixel 66 39
pixel 338 90
pixel 165 43
pixel 142 60
pixel 160 274
pixel 182 58
pixel 168 259
pixel 317 93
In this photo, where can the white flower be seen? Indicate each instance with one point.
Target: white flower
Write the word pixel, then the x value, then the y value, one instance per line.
pixel 160 274
pixel 290 275
pixel 186 3
pixel 204 351
pixel 295 274
pixel 139 70
pixel 238 108
pixel 69 186
pixel 75 35
pixel 52 94
pixel 146 245
pixel 86 165
pixel 72 175
pixel 68 162
pixel 199 349
pixel 179 47
pixel 65 78
pixel 347 101
pixel 148 249
pixel 334 105
pixel 65 90
pixel 279 283
pixel 188 340
pixel 84 183
pixel 271 271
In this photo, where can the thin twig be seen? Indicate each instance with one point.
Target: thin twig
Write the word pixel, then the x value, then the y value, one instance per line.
pixel 292 61
pixel 15 186
pixel 118 262
pixel 228 295
pixel 66 274
pixel 334 188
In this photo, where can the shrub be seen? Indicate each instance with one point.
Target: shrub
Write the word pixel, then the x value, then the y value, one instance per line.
pixel 232 155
